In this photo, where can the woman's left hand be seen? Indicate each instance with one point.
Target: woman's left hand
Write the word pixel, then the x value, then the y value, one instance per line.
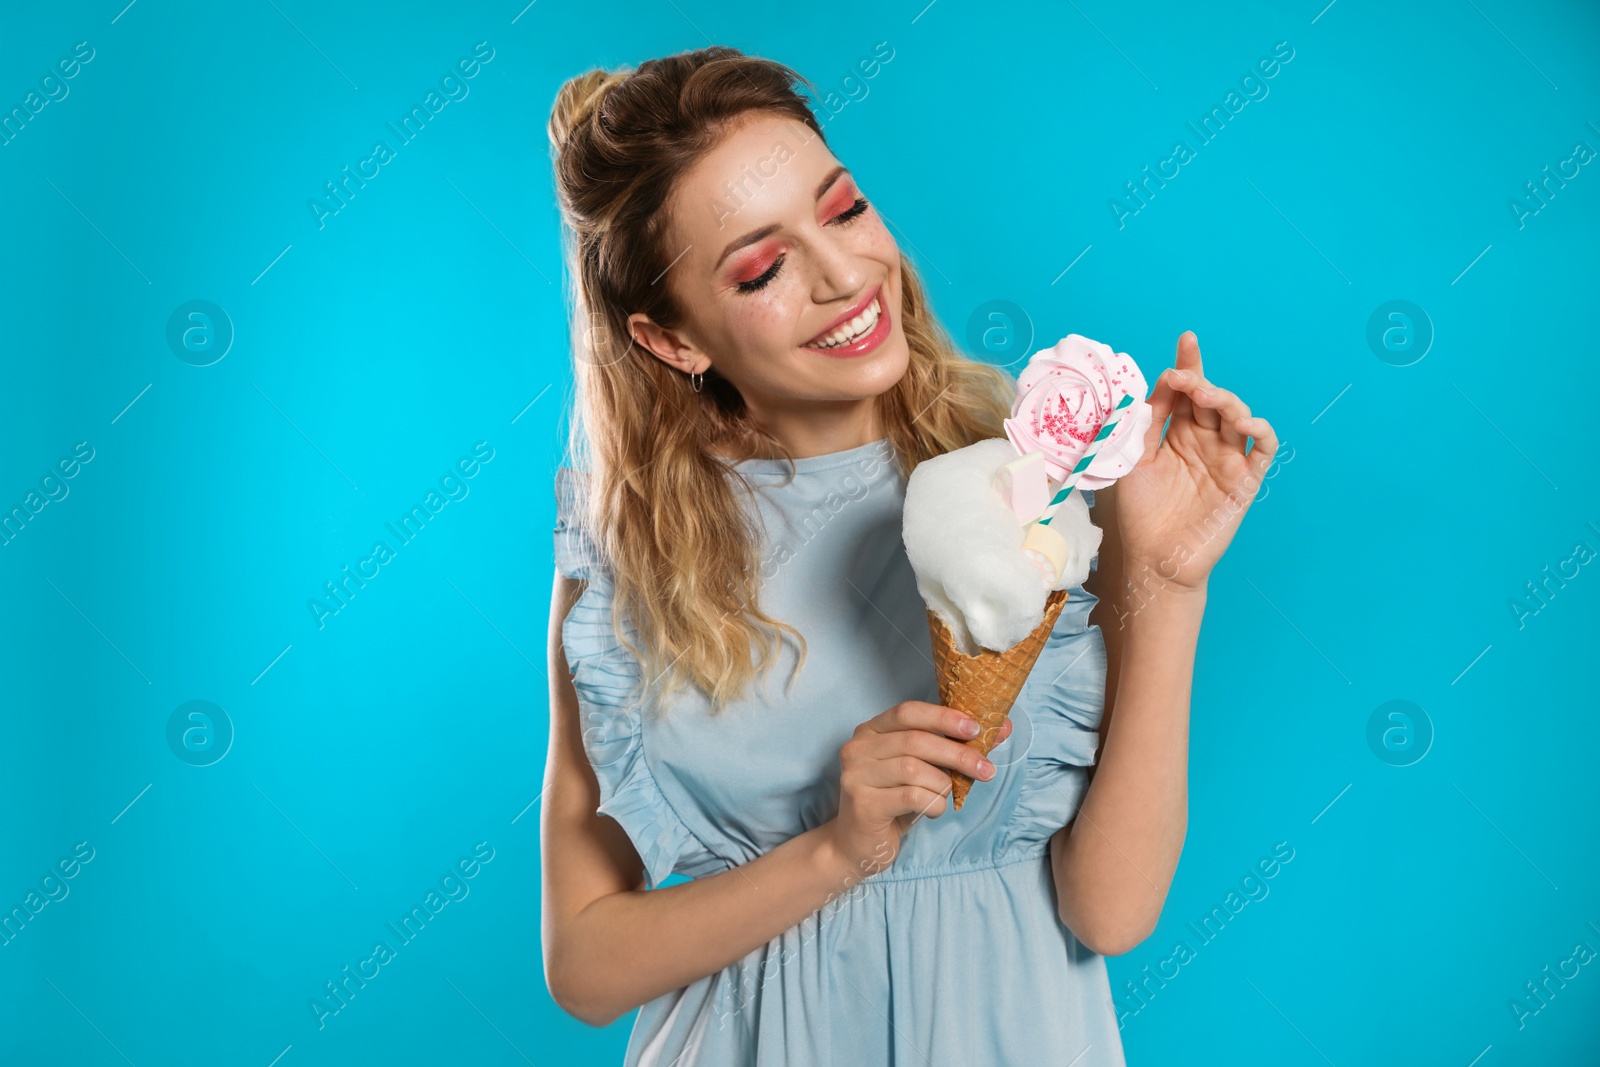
pixel 1180 506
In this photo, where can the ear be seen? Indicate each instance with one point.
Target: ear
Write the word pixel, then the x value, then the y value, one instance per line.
pixel 669 346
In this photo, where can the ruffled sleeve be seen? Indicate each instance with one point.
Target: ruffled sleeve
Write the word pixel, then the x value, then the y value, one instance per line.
pixel 606 677
pixel 1062 703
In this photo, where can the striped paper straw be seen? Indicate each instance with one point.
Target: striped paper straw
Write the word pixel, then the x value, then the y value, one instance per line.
pixel 1083 463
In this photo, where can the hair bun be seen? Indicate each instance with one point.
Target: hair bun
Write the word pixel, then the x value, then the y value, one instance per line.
pixel 578 99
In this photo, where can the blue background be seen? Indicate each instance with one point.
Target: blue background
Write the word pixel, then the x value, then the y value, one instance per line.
pixel 1412 506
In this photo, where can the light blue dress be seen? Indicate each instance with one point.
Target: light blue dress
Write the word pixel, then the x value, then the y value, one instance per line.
pixel 955 954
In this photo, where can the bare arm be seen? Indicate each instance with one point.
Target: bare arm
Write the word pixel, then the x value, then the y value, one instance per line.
pixel 610 945
pixel 1114 863
pixel 1166 524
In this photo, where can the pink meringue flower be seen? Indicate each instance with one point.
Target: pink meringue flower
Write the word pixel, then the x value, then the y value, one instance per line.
pixel 1064 395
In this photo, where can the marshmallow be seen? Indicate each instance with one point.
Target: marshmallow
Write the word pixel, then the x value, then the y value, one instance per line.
pixel 1024 486
pixel 1045 546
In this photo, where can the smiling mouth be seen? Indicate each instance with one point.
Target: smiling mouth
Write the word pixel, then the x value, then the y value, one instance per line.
pixel 853 330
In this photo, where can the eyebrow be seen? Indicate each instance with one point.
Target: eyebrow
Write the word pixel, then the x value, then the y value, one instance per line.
pixel 766 231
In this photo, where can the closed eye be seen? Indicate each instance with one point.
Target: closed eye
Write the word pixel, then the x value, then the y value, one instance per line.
pixel 854 211
pixel 844 218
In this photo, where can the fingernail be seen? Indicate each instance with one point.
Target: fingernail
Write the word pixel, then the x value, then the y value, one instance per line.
pixel 970 728
pixel 985 769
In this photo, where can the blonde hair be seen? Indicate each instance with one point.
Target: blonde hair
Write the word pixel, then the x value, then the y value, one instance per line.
pixel 662 504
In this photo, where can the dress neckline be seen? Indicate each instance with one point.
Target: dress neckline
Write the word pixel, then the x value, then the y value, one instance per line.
pixel 807 464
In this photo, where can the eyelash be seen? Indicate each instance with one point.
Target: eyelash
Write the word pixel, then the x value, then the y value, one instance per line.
pixel 844 218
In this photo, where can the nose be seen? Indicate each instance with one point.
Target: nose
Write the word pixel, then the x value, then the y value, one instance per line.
pixel 841 273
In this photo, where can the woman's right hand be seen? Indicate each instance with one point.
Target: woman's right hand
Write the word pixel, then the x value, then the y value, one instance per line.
pixel 890 775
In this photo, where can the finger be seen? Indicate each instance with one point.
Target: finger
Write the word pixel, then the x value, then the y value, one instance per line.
pixel 1183 407
pixel 1183 383
pixel 921 715
pixel 903 770
pixel 1227 409
pixel 1266 443
pixel 1161 401
pixel 929 749
pixel 1205 413
pixel 1188 361
pixel 1005 731
pixel 933 807
pixel 1189 354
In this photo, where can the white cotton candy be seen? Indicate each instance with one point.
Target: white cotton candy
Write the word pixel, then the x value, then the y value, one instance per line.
pixel 1072 522
pixel 965 545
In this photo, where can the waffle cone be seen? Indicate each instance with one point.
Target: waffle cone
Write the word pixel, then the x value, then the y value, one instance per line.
pixel 986 685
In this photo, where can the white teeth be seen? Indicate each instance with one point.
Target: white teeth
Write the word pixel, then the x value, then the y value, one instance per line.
pixel 853 329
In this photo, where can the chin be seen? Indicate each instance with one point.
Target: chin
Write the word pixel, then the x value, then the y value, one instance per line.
pixel 893 360
pixel 880 370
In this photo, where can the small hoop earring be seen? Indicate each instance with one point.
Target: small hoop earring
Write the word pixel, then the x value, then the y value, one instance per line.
pixel 696 380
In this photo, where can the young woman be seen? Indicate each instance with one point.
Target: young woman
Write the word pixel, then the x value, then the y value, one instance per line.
pixel 758 370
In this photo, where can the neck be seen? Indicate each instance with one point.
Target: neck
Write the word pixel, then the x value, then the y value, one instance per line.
pixel 820 429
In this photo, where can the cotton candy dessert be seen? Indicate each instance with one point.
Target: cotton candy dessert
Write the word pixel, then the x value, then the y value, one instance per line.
pixel 997 535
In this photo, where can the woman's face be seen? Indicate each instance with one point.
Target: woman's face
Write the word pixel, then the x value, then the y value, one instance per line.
pixel 774 246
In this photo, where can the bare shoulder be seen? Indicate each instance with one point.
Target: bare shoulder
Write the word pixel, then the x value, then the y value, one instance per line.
pixel 564 593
